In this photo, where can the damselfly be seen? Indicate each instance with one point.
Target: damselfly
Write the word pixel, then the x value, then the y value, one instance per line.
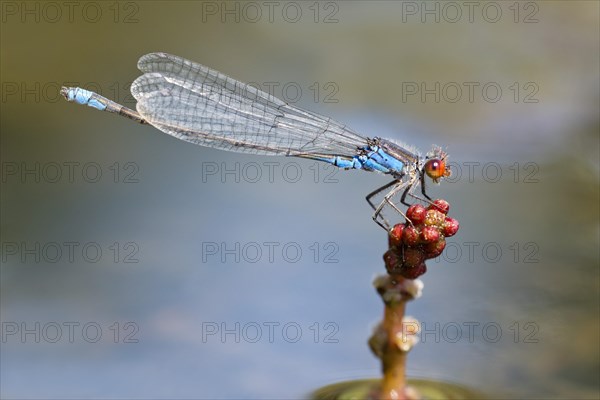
pixel 205 107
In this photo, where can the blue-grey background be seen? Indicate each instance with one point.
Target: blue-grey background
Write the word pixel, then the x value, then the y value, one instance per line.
pixel 157 207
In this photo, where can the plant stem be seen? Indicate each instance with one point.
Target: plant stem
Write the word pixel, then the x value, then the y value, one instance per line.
pixel 394 359
pixel 395 335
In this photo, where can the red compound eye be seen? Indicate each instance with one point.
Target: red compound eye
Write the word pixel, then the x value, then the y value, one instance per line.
pixel 436 169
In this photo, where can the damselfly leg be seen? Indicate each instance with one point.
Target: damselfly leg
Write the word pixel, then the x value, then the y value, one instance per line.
pixel 397 186
pixel 407 188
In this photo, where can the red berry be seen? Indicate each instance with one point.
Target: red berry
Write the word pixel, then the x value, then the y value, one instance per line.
pixel 393 261
pixel 414 273
pixel 450 227
pixel 416 213
pixel 434 249
pixel 434 218
pixel 412 257
pixel 440 205
pixel 430 234
pixel 410 236
pixel 395 235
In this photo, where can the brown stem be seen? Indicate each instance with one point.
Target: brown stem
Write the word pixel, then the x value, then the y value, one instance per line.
pixel 393 359
pixel 394 337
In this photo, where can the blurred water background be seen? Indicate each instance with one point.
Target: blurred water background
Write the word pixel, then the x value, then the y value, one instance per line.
pixel 135 265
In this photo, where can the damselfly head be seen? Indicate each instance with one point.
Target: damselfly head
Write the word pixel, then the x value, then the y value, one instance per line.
pixel 435 166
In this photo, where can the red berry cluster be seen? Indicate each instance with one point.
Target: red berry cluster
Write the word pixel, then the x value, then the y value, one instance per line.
pixel 421 238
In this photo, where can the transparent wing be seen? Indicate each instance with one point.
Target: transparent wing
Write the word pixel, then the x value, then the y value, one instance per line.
pixel 202 106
